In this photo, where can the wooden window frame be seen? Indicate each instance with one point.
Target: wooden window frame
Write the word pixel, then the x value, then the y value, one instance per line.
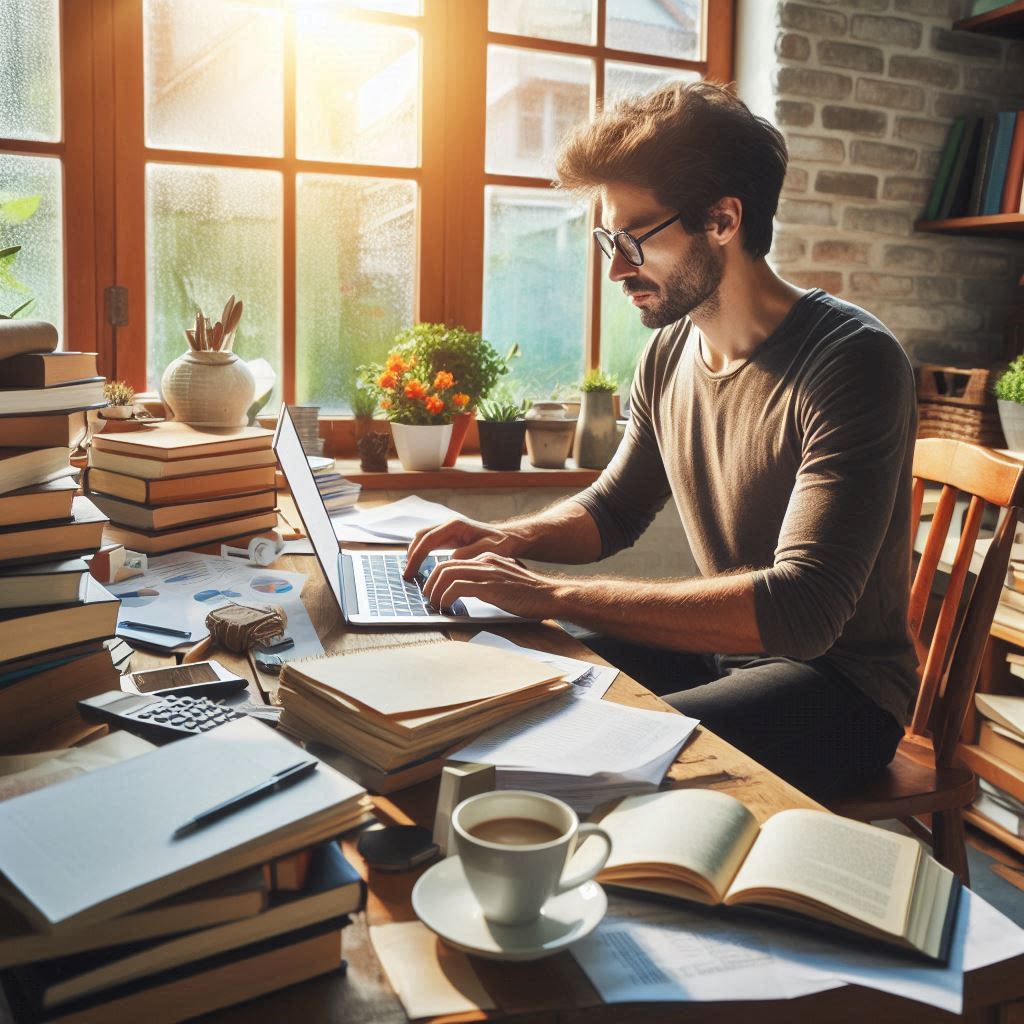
pixel 104 156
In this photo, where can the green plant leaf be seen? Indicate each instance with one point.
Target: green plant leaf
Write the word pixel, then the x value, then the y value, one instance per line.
pixel 10 251
pixel 20 309
pixel 14 211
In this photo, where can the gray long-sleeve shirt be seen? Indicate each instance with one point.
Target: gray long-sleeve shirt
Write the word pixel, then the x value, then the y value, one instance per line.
pixel 796 464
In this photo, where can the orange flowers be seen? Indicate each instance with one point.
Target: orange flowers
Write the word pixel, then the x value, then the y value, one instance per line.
pixel 443 380
pixel 385 403
pixel 460 400
pixel 388 381
pixel 396 364
pixel 433 404
pixel 410 395
pixel 415 389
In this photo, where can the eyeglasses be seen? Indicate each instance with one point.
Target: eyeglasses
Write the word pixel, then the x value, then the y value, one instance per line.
pixel 629 246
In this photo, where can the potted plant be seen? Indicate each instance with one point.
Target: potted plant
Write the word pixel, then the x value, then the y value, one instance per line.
pixel 502 426
pixel 420 404
pixel 467 356
pixel 120 400
pixel 363 401
pixel 596 439
pixel 1009 389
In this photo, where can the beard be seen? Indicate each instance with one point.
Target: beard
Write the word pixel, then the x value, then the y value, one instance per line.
pixel 693 284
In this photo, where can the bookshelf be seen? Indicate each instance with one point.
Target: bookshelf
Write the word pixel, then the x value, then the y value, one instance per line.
pixel 1004 21
pixel 999 225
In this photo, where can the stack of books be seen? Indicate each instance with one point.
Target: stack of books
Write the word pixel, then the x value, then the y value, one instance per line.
pixel 1001 734
pixel 1010 610
pixel 981 170
pixel 337 491
pixel 392 715
pixel 174 487
pixel 54 617
pixel 180 927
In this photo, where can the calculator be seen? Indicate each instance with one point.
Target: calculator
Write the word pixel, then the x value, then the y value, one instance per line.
pixel 157 719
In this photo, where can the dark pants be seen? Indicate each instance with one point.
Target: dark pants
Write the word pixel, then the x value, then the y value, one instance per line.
pixel 799 719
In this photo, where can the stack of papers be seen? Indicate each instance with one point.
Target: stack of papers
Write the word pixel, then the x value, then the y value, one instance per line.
pixel 336 491
pixel 584 752
pixel 391 707
pixel 395 523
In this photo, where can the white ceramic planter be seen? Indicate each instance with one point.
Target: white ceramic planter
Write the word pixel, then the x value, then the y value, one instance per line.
pixel 117 412
pixel 421 447
pixel 596 438
pixel 209 389
pixel 1011 416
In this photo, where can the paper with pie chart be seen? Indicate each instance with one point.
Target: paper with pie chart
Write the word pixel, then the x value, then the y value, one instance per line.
pixel 179 590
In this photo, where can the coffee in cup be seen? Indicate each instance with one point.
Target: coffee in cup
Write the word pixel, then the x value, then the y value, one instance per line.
pixel 514 847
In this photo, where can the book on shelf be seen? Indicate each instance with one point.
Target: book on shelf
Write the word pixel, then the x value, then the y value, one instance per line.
pixel 1004 709
pixel 67 429
pixel 19 336
pixel 62 861
pixel 1000 807
pixel 945 170
pixel 176 490
pixel 38 504
pixel 36 584
pixel 28 467
pixel 81 534
pixel 38 708
pixel 706 846
pixel 168 517
pixel 995 176
pixel 393 706
pixel 980 169
pixel 145 468
pixel 1013 190
pixel 25 631
pixel 173 441
pixel 64 398
pixel 156 542
pixel 331 890
pixel 1003 743
pixel 48 369
pixel 958 191
pixel 234 976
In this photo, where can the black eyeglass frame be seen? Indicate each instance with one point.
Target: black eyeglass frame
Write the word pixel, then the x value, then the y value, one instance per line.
pixel 613 237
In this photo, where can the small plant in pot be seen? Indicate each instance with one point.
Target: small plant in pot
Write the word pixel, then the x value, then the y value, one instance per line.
pixel 472 360
pixel 120 400
pixel 502 427
pixel 596 438
pixel 1009 390
pixel 363 400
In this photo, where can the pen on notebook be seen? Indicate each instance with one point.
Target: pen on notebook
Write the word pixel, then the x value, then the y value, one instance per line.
pixel 147 628
pixel 281 779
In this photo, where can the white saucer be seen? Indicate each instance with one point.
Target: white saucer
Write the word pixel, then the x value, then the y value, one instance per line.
pixel 444 902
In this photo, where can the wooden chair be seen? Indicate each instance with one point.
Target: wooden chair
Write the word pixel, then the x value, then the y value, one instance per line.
pixel 925 781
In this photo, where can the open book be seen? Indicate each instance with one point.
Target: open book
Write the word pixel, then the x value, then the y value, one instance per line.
pixel 706 846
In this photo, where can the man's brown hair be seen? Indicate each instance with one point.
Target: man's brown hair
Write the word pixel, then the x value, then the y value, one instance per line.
pixel 692 145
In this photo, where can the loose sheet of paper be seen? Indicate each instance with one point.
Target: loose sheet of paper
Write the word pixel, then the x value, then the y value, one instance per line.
pixel 581 737
pixel 181 589
pixel 394 523
pixel 587 680
pixel 429 978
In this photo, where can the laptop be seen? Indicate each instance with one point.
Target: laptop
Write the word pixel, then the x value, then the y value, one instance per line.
pixel 368 587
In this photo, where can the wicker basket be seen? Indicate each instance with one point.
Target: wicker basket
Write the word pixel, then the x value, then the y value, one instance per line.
pixel 958 403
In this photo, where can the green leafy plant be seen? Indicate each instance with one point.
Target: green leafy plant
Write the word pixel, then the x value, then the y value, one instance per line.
pixel 596 380
pixel 116 392
pixel 8 280
pixel 472 360
pixel 362 399
pixel 1010 384
pixel 502 410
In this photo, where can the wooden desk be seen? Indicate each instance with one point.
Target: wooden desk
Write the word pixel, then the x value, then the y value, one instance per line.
pixel 556 990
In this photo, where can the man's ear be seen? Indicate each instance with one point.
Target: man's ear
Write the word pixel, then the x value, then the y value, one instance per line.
pixel 724 220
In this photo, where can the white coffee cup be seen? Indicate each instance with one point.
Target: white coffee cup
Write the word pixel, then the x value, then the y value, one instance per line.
pixel 513 881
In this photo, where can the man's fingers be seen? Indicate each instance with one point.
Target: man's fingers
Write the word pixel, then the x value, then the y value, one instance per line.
pixel 426 541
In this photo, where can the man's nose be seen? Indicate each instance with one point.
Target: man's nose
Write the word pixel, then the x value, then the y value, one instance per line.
pixel 620 268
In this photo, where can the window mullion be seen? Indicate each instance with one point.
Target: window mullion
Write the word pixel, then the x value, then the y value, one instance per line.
pixel 288 221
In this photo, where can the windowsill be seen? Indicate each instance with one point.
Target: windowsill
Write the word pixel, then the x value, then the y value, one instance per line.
pixel 467 474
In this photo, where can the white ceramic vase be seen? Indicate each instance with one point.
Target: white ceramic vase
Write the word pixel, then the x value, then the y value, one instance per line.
pixel 421 447
pixel 208 389
pixel 1011 416
pixel 596 438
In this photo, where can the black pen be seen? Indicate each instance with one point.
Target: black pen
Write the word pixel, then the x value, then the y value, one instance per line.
pixel 285 777
pixel 147 628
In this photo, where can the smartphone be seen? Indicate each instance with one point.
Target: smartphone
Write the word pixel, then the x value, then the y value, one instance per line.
pixel 201 679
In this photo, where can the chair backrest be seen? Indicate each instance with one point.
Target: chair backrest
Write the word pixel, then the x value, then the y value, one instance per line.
pixel 951 659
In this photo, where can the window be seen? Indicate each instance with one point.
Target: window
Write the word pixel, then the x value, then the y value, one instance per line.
pixel 345 167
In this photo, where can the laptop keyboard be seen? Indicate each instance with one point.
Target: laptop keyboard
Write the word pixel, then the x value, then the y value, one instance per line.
pixel 387 593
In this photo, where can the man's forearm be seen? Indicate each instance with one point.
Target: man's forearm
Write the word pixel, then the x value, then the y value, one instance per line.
pixel 564 533
pixel 709 615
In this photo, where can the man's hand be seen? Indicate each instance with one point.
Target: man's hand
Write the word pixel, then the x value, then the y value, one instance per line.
pixel 466 537
pixel 498 580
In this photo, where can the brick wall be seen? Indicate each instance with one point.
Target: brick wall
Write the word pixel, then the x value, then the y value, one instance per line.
pixel 864 91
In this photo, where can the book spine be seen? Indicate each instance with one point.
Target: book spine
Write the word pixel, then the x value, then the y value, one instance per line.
pixel 1014 169
pixel 942 176
pixel 955 199
pixel 980 170
pixel 995 177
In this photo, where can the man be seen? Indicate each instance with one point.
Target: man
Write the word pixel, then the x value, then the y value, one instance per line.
pixel 782 424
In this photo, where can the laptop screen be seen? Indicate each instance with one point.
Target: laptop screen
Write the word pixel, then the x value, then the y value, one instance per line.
pixel 311 508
